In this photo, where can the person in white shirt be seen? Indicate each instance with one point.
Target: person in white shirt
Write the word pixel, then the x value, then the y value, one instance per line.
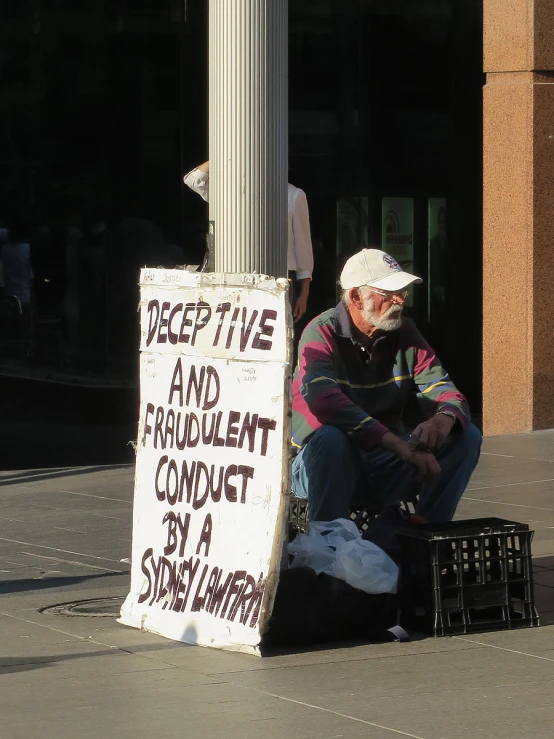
pixel 300 258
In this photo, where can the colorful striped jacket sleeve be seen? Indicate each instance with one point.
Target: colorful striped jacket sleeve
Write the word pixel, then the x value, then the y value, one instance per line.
pixel 436 390
pixel 325 402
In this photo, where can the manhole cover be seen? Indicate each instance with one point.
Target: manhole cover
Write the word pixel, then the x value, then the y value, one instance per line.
pixel 96 607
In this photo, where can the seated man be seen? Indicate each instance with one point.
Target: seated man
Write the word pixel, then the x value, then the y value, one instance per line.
pixel 358 365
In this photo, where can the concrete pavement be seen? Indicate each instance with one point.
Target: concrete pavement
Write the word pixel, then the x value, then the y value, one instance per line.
pixel 64 537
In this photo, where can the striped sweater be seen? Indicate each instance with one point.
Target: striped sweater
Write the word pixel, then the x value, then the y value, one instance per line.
pixel 362 385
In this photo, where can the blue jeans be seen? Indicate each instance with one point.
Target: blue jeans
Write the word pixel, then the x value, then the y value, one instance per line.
pixel 336 476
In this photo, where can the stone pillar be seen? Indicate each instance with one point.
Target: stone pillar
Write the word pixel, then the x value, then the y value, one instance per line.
pixel 248 134
pixel 518 216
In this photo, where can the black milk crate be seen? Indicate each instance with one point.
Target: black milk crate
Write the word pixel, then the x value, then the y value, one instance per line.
pixel 467 576
pixel 298 516
pixel 299 522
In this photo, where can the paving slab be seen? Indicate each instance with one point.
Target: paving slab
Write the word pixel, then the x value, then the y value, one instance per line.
pixel 544 577
pixel 524 472
pixel 534 495
pixel 165 709
pixel 537 445
pixel 534 643
pixel 63 536
pixel 506 709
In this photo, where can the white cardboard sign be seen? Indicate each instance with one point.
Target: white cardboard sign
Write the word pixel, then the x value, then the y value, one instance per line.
pixel 212 466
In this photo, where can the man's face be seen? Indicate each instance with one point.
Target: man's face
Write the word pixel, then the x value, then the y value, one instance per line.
pixel 383 311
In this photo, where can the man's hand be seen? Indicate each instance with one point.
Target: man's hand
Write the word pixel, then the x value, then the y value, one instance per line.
pixel 430 435
pixel 300 305
pixel 425 462
pixel 301 301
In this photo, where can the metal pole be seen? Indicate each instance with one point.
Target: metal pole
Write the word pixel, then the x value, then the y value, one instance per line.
pixel 248 134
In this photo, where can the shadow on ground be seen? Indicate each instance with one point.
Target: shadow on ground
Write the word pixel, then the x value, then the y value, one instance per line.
pixel 25 586
pixel 17 478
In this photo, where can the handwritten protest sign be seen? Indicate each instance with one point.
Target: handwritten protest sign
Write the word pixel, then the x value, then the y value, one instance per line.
pixel 212 468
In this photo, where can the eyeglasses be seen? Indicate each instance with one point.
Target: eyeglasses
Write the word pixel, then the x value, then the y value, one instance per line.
pixel 390 294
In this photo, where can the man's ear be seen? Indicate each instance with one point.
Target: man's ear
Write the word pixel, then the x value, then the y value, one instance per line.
pixel 356 298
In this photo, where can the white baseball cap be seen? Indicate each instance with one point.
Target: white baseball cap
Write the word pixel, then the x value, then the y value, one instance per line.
pixel 375 268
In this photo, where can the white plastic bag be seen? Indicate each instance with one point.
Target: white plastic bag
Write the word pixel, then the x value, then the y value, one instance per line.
pixel 337 548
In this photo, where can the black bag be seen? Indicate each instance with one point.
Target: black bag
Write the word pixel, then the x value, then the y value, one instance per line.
pixel 312 609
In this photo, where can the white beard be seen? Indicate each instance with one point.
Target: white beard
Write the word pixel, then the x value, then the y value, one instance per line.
pixel 389 321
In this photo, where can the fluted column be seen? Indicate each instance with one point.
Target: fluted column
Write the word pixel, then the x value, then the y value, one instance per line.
pixel 248 134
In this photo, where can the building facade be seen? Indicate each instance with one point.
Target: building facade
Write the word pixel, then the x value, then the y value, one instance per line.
pixel 104 107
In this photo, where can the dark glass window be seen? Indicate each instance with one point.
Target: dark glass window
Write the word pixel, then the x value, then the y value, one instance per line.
pixel 104 107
